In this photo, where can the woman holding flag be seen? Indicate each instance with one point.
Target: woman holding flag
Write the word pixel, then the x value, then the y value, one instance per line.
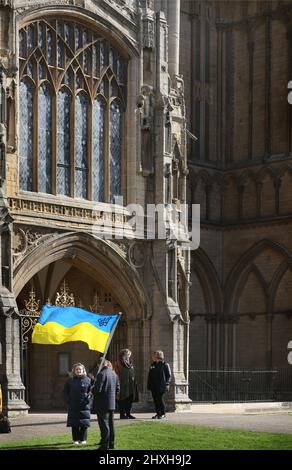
pixel 76 394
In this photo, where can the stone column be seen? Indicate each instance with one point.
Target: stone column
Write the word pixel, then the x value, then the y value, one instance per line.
pixel 173 18
pixel 180 362
pixel 12 386
pixel 171 9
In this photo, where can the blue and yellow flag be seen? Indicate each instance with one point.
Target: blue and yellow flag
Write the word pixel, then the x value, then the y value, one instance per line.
pixel 58 325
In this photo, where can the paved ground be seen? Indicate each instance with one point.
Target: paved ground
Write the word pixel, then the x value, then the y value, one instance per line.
pixel 48 424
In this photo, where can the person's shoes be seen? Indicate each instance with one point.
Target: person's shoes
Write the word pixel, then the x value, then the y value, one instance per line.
pixel 76 443
pixel 123 417
pixel 161 417
pixel 83 442
pixel 155 417
pixel 131 417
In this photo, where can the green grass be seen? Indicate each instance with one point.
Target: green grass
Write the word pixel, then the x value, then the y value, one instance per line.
pixel 165 436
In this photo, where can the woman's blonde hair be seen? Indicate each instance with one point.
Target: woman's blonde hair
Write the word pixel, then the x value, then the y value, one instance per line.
pixel 78 364
pixel 108 364
pixel 123 352
pixel 159 354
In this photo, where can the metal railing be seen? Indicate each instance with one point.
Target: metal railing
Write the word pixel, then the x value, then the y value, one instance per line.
pixel 240 385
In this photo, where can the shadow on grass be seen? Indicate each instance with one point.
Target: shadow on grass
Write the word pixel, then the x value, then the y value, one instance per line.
pixel 57 446
pixel 37 424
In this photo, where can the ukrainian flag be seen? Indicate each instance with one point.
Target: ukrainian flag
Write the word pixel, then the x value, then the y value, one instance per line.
pixel 58 325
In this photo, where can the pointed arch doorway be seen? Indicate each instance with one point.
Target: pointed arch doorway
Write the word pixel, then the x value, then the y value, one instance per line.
pixel 45 367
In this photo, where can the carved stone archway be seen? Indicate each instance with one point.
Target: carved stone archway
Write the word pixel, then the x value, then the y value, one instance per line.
pixel 96 257
pixel 107 262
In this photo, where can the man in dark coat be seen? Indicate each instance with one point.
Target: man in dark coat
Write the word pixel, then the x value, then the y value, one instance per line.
pixel 158 382
pixel 76 395
pixel 105 391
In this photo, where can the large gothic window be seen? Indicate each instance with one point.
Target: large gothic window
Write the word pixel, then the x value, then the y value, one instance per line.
pixel 71 108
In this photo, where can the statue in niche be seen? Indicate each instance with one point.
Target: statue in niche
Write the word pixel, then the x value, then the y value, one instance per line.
pixel 145 106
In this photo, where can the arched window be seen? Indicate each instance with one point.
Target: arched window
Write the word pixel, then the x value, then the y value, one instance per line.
pixel 72 103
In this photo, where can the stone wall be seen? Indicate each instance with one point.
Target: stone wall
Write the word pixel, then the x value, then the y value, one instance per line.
pixel 239 302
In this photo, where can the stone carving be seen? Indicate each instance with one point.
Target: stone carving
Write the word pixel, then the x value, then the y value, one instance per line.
pixel 126 7
pixel 145 106
pixel 137 257
pixel 5 219
pixel 3 118
pixel 147 4
pixel 120 246
pixel 11 137
pixel 25 240
pixel 181 258
pixel 148 32
pixel 68 212
pixel 8 305
pixel 24 4
pixel 16 394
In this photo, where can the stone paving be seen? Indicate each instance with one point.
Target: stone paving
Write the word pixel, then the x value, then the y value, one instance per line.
pixel 49 424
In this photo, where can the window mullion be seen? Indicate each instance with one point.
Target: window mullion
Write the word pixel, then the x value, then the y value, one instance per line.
pixel 107 151
pixel 72 141
pixel 35 177
pixel 54 143
pixel 89 150
pixel 123 157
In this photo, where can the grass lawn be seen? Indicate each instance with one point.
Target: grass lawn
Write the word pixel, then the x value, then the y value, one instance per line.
pixel 164 436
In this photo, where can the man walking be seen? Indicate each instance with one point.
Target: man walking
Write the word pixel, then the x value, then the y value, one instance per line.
pixel 158 382
pixel 105 391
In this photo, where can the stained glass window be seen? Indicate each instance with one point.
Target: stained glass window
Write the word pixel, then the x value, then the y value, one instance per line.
pixel 76 80
pixel 63 142
pixel 26 135
pixel 22 44
pixel 44 139
pixel 50 47
pixel 98 140
pixel 115 150
pixel 81 141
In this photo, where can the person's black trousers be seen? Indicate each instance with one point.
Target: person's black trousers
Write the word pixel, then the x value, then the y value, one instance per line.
pixel 79 433
pixel 125 405
pixel 158 402
pixel 107 430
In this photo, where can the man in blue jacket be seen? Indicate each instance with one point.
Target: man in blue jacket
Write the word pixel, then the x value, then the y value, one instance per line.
pixel 105 391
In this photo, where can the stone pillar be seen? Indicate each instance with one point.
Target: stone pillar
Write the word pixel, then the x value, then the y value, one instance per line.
pixel 12 386
pixel 173 17
pixel 171 9
pixel 181 386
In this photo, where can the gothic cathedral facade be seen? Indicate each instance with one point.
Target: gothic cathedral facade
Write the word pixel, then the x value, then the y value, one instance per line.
pixel 110 105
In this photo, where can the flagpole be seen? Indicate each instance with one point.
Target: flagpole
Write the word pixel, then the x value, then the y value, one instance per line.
pixel 108 343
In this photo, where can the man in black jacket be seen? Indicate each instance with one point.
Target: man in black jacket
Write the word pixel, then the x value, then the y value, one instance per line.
pixel 158 382
pixel 105 391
